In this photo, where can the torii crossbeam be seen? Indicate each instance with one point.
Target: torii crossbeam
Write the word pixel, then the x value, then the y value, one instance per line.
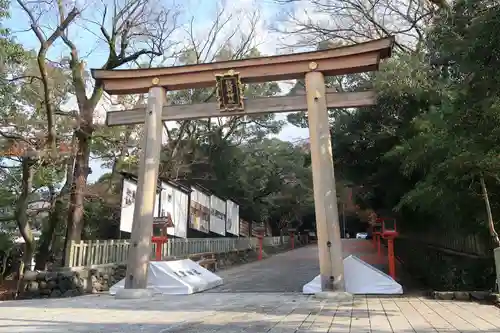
pixel 227 77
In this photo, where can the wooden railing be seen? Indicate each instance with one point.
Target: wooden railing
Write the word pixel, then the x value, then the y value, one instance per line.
pixel 104 252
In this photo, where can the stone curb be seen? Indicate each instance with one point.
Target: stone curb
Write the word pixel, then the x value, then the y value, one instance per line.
pixel 473 296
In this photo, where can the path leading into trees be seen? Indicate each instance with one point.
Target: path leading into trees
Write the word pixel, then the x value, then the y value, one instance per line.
pixel 258 297
pixel 289 271
pixel 283 272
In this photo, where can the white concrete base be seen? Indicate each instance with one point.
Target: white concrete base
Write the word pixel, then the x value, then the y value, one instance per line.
pixel 338 296
pixel 179 277
pixel 133 293
pixel 496 255
pixel 360 279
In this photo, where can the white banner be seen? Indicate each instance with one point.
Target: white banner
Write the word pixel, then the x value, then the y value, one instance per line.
pixel 128 204
pixel 217 215
pixel 175 202
pixel 232 218
pixel 199 211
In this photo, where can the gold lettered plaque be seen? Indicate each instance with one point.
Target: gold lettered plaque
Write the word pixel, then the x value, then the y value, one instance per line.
pixel 229 91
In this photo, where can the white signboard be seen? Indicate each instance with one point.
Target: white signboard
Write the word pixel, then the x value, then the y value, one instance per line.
pixel 156 211
pixel 232 218
pixel 217 215
pixel 180 277
pixel 199 211
pixel 128 204
pixel 175 202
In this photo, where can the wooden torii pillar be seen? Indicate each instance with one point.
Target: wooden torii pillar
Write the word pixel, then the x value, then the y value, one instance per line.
pixel 228 76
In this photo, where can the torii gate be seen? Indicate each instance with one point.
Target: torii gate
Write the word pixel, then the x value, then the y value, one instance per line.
pixel 228 76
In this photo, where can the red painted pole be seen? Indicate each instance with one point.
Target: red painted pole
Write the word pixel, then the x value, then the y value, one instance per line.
pixel 292 240
pixel 374 240
pixel 159 245
pixel 158 250
pixel 260 247
pixel 390 255
pixel 379 250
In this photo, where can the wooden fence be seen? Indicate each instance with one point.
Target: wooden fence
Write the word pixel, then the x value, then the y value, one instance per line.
pixel 468 244
pixel 104 252
pixel 446 261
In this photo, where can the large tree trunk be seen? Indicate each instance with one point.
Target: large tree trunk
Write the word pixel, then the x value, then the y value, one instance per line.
pixel 22 210
pixel 77 197
pixel 23 221
pixel 46 240
pixel 491 224
pixel 55 219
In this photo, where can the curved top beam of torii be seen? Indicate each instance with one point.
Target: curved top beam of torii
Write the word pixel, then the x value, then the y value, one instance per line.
pixel 357 58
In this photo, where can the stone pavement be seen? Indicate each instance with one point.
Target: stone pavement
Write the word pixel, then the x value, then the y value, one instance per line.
pixel 289 271
pixel 282 272
pixel 245 312
pixel 248 305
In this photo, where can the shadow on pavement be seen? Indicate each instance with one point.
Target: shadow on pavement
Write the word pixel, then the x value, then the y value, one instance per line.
pixel 251 319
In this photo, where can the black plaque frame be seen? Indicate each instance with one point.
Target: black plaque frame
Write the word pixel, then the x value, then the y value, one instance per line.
pixel 229 90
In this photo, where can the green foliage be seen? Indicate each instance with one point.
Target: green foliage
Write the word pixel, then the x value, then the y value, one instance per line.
pixel 275 183
pixel 102 220
pixel 445 270
pixel 11 55
pixel 435 129
pixel 420 152
pixel 7 231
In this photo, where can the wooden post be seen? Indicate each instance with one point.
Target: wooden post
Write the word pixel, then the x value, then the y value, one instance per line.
pixel 379 246
pixel 159 241
pixel 142 227
pixel 390 255
pixel 325 196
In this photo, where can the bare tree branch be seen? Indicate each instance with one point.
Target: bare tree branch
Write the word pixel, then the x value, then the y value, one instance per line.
pixel 45 44
pixel 352 21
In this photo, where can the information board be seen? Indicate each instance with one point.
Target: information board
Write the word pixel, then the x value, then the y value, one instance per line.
pixel 199 218
pixel 217 215
pixel 129 190
pixel 232 218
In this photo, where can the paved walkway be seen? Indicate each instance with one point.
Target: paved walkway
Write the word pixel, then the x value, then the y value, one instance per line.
pixel 283 272
pixel 245 312
pixel 289 271
pixel 249 306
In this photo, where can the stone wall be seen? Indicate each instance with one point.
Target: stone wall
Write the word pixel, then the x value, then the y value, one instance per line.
pixel 229 259
pixel 53 284
pixel 101 280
